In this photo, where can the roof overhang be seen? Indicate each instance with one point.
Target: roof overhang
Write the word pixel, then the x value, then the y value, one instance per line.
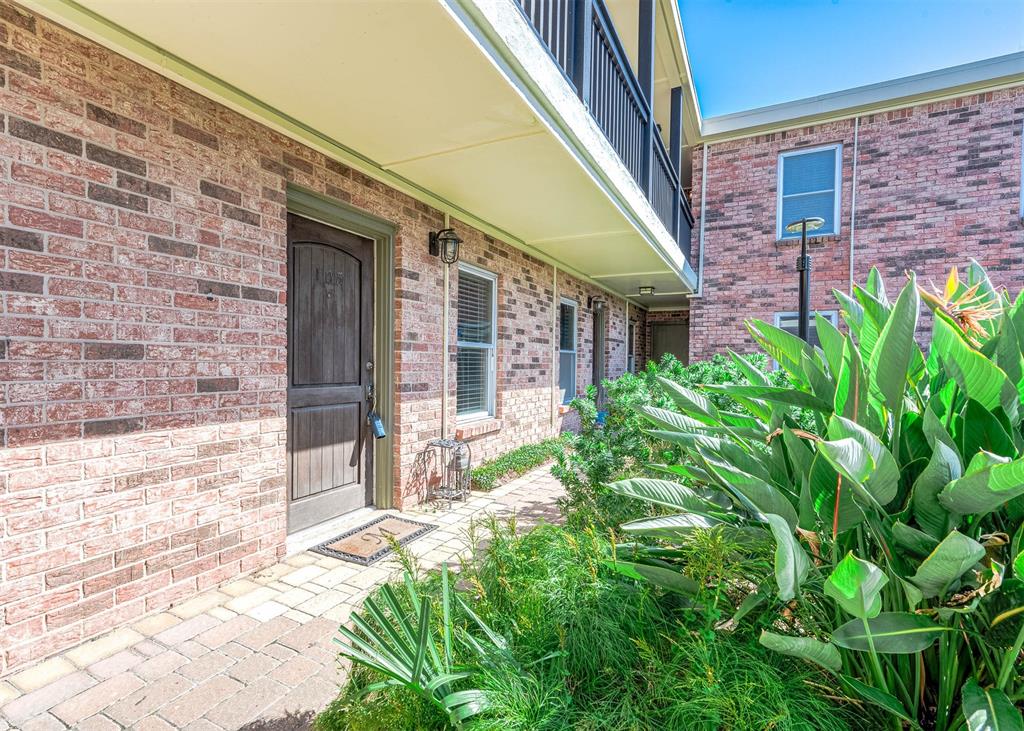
pixel 455 102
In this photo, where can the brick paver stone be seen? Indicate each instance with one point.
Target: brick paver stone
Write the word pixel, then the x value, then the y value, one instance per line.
pixel 160 665
pixel 236 711
pixel 103 647
pixel 99 722
pixel 206 666
pixel 265 633
pixel 199 700
pixel 186 630
pixel 225 632
pixel 115 664
pixel 254 666
pixel 147 700
pixel 97 698
pixel 43 699
pixel 41 674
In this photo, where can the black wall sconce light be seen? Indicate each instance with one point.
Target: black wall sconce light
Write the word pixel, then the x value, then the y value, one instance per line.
pixel 445 244
pixel 647 291
pixel 595 303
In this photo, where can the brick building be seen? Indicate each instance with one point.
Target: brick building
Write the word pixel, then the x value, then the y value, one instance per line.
pixel 217 259
pixel 206 286
pixel 922 174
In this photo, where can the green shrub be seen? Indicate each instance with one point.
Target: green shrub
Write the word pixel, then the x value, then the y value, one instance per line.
pixel 590 652
pixel 622 446
pixel 897 523
pixel 514 463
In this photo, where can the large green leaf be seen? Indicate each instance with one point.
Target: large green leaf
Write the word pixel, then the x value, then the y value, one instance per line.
pixel 671 420
pixel 855 464
pixel 833 342
pixel 852 389
pixel 824 485
pixel 665 578
pixel 979 429
pixel 791 563
pixel 669 526
pixel 786 396
pixel 981 492
pixel 784 347
pixel 950 560
pixel 892 355
pixel 943 468
pixel 914 541
pixel 664 492
pixel 980 378
pixel 988 709
pixel 882 481
pixel 752 492
pixel 877 697
pixel 892 632
pixel 806 648
pixel 856 585
pixel 693 404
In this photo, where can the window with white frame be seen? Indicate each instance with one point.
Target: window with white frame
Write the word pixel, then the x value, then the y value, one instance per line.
pixel 567 350
pixel 476 327
pixel 809 184
pixel 790 322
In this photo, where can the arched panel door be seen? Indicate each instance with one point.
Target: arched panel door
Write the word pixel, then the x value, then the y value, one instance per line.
pixel 330 354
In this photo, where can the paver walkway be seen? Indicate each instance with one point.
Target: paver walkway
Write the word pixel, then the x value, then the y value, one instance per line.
pixel 254 654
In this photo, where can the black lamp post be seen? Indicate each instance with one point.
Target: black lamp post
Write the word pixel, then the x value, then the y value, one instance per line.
pixel 803 265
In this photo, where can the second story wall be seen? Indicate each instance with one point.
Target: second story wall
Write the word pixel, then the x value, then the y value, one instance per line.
pixel 935 185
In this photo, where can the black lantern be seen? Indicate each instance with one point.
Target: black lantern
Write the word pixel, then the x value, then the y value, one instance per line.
pixel 803 266
pixel 445 243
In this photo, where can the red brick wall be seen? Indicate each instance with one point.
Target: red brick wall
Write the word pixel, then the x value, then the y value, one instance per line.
pixel 142 338
pixel 937 184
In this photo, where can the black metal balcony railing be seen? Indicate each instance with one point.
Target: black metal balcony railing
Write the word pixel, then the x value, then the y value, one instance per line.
pixel 582 40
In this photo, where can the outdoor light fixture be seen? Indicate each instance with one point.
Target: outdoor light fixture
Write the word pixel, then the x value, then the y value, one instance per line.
pixel 803 266
pixel 445 243
pixel 648 291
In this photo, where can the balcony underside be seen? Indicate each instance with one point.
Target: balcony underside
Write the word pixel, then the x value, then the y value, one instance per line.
pixel 407 88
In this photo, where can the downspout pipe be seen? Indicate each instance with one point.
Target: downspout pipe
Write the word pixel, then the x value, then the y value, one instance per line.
pixel 700 235
pixel 853 195
pixel 445 341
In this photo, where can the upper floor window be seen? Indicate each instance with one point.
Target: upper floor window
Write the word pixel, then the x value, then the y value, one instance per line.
pixel 809 185
pixel 476 327
pixel 567 350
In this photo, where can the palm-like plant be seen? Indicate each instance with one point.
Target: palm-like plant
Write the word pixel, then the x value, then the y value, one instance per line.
pixel 396 636
pixel 897 525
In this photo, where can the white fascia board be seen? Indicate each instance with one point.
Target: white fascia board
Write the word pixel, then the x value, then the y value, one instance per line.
pixel 978 76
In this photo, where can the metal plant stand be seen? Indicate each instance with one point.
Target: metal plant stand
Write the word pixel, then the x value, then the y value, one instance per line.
pixel 454 461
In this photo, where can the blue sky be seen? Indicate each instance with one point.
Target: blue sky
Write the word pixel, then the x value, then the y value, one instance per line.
pixel 751 53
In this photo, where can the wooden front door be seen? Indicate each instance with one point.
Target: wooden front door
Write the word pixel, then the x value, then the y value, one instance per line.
pixel 330 354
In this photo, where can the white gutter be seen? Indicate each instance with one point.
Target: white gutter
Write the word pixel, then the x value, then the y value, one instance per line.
pixel 700 235
pixel 445 344
pixel 554 345
pixel 853 195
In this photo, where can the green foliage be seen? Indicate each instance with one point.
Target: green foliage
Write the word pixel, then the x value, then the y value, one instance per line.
pixel 514 463
pixel 896 519
pixel 588 651
pixel 624 447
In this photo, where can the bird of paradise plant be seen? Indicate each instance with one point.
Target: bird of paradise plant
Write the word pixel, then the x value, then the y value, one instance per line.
pixel 898 525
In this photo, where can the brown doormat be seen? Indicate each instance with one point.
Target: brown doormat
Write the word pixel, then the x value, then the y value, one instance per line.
pixel 369 543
